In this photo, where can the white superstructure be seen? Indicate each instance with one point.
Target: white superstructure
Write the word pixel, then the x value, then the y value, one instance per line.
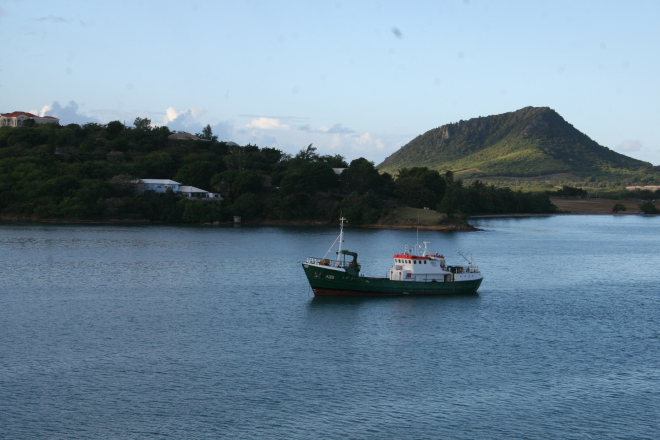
pixel 430 268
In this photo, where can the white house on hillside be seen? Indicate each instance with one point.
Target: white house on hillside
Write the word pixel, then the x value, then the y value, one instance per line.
pixel 193 192
pixel 162 185
pixel 158 185
pixel 17 119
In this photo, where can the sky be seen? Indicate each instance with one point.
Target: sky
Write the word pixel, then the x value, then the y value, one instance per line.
pixel 356 78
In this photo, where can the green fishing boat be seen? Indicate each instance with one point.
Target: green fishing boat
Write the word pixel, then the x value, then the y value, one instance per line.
pixel 410 274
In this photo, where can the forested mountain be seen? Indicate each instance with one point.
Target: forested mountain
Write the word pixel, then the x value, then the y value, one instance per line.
pixel 533 141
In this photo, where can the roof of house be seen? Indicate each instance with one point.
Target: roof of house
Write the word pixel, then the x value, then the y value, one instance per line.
pixel 26 114
pixel 183 135
pixel 191 189
pixel 159 181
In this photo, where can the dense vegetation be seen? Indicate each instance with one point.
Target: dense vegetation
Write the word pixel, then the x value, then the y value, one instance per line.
pixel 529 143
pixel 568 191
pixel 88 173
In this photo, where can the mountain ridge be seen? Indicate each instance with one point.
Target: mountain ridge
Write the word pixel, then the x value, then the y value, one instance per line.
pixel 532 141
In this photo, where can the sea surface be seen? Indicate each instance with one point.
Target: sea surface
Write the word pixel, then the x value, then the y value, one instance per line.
pixel 153 332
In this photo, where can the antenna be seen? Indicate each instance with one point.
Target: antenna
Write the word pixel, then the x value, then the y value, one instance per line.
pixel 469 262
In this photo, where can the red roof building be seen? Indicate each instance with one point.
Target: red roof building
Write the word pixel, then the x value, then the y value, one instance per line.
pixel 17 119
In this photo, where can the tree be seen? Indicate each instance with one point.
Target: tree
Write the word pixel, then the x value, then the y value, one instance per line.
pixel 207 134
pixel 248 206
pixel 336 161
pixel 449 177
pixel 308 154
pixel 649 208
pixel 154 165
pixel 197 174
pixel 142 123
pixel 362 176
pixel 412 192
pixel 429 179
pixel 114 128
pixel 246 181
pixel 619 207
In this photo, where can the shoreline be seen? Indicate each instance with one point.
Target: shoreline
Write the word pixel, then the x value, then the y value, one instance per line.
pixel 565 206
pixel 447 227
pixel 568 206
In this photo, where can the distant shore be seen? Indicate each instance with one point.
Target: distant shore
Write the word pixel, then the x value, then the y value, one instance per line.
pixel 565 206
pixel 457 226
pixel 568 206
pixel 593 206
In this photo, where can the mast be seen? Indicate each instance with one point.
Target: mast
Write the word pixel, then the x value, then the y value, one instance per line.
pixel 341 236
pixel 417 244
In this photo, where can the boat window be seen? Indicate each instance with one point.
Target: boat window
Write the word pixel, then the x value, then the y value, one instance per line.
pixel 424 261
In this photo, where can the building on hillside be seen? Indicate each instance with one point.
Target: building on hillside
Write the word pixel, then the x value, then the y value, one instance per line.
pixel 183 136
pixel 162 185
pixel 195 193
pixel 158 185
pixel 17 119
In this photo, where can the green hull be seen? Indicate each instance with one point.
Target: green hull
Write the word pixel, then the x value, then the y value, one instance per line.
pixel 329 282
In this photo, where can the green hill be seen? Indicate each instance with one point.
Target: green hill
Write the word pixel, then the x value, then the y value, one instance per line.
pixel 531 142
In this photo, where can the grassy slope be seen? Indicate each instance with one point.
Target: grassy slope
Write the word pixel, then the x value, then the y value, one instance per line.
pixel 534 141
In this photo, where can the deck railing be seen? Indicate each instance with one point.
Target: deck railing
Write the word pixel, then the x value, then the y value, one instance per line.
pixel 464 269
pixel 331 263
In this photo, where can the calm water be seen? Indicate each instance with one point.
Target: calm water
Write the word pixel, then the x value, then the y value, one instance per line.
pixel 155 332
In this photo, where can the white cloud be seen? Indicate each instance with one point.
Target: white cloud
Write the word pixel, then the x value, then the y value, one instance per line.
pixel 171 114
pixel 72 114
pixel 335 139
pixel 224 131
pixel 630 146
pixel 266 124
pixel 67 115
pixel 44 109
pixel 185 120
pixel 367 139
